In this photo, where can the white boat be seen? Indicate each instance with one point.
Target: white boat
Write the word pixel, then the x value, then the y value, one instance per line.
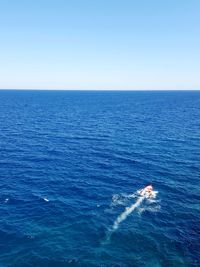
pixel 147 191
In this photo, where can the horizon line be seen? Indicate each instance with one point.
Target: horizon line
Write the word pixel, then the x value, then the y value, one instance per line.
pixel 59 89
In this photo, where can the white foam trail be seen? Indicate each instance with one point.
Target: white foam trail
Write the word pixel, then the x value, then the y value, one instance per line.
pixel 130 209
pixel 126 213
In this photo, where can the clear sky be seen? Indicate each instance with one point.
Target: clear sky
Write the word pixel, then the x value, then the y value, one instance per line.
pixel 100 44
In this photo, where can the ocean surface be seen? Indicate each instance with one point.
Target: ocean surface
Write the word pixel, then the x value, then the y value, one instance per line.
pixel 71 163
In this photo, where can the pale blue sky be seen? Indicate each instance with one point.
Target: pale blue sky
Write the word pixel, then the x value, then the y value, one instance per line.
pixel 100 44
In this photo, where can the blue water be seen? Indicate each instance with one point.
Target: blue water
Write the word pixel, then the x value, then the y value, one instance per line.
pixel 71 163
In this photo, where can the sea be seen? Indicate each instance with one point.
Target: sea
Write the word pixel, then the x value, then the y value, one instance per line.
pixel 71 165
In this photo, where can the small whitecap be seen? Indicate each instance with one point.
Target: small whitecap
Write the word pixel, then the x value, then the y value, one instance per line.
pixel 6 200
pixel 46 199
pixel 72 261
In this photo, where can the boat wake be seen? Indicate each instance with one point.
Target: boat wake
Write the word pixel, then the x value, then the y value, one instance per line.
pixel 122 217
pixel 149 197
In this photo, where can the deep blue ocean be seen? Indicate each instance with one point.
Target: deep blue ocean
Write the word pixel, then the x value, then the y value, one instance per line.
pixel 72 161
